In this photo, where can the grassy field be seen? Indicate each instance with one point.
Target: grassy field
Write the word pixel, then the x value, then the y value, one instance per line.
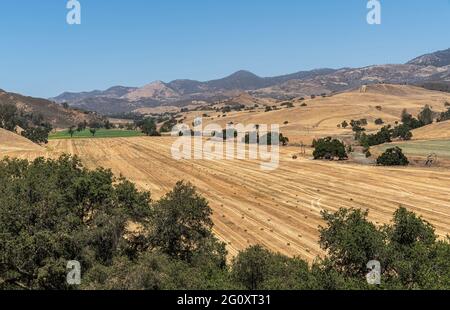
pixel 101 133
pixel 421 148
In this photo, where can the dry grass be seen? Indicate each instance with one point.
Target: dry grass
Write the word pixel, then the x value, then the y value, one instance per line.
pixel 279 209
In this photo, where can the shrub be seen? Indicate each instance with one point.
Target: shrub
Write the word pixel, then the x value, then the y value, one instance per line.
pixel 288 104
pixel 393 157
pixel 379 121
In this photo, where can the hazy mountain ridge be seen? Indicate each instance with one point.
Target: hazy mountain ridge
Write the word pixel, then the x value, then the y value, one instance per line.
pixel 436 59
pixel 429 67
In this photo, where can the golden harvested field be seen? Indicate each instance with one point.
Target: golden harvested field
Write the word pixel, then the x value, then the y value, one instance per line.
pixel 436 131
pixel 279 209
pixel 12 143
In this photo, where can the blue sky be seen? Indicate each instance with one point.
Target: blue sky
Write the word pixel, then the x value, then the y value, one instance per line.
pixel 133 42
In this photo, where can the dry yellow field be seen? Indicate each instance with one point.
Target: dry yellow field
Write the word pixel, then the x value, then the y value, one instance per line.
pixel 13 143
pixel 279 209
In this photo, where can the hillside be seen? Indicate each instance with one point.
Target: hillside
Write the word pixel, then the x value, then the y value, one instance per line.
pixel 12 142
pixel 322 115
pixel 434 131
pixel 436 59
pixel 55 114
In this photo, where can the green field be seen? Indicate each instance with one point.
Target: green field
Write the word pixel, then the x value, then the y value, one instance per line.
pixel 101 133
pixel 421 148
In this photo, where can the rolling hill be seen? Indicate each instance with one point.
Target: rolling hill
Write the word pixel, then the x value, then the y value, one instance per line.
pixel 12 143
pixel 436 59
pixel 434 131
pixel 322 115
pixel 55 114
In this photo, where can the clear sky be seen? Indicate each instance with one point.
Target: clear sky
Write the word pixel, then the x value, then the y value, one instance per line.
pixel 134 42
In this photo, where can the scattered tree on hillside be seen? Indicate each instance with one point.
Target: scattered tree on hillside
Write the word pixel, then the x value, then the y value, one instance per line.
pixel 393 157
pixel 9 118
pixel 344 124
pixel 444 116
pixel 38 135
pixel 329 148
pixel 357 128
pixel 71 131
pixel 93 131
pixel 107 125
pixel 426 116
pixel 403 132
pixel 410 121
pixel 95 124
pixel 148 127
pixel 81 126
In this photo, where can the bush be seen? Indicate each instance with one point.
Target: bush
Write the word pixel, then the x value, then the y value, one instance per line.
pixel 379 121
pixel 329 148
pixel 393 157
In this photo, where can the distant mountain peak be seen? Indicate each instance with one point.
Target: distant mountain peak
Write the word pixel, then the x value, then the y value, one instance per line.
pixel 243 73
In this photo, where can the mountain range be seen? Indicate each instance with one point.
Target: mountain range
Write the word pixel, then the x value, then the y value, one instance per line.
pixel 433 67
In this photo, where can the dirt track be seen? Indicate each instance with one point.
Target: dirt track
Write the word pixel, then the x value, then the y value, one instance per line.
pixel 279 209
